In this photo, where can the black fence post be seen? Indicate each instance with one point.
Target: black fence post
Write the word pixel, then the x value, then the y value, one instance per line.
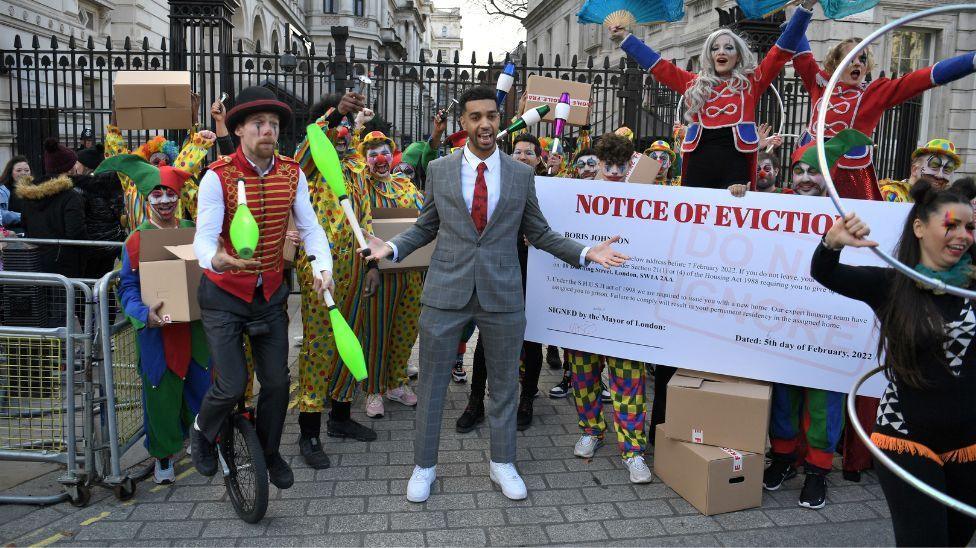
pixel 340 66
pixel 630 92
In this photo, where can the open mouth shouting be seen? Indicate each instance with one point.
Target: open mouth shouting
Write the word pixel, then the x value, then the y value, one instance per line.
pixel 485 137
pixel 956 249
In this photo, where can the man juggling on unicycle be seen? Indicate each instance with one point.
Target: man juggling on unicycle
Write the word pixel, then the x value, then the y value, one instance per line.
pixel 242 289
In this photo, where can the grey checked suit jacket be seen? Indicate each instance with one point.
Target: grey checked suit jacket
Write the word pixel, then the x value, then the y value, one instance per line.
pixel 463 261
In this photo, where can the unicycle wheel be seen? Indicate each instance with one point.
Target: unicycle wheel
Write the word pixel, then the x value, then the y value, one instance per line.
pixel 245 471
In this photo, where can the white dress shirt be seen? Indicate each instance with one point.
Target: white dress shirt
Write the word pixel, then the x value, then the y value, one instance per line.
pixel 210 220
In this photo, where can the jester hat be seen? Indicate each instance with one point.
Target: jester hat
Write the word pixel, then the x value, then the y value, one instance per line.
pixel 944 147
pixel 145 176
pixel 837 146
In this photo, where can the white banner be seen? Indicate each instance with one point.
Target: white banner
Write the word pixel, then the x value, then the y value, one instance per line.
pixel 715 283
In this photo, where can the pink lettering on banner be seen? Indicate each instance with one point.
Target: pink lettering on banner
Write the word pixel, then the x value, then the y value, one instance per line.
pixel 736 459
pixel 548 99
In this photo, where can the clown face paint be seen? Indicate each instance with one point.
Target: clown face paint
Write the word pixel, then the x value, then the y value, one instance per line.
pixel 936 169
pixel 807 180
pixel 766 174
pixel 378 159
pixel 159 159
pixel 525 152
pixel 163 203
pixel 587 166
pixel 612 172
pixel 662 158
pixel 405 169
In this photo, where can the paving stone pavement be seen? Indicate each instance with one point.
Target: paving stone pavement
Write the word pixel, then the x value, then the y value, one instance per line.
pixel 361 501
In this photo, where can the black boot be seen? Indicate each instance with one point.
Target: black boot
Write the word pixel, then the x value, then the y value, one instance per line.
pixel 552 357
pixel 279 472
pixel 202 453
pixel 524 416
pixel 311 448
pixel 473 414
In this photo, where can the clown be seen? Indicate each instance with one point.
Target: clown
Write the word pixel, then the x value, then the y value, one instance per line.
pixel 586 165
pixel 174 359
pixel 859 104
pixel 392 330
pixel 661 151
pixel 720 146
pixel 934 163
pixel 767 172
pixel 322 376
pixel 159 151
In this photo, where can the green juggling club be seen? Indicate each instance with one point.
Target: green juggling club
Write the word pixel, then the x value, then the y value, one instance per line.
pixel 243 227
pixel 327 161
pixel 346 341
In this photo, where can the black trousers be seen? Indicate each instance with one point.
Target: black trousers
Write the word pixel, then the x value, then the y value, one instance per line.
pixel 529 380
pixel 662 375
pixel 225 319
pixel 922 521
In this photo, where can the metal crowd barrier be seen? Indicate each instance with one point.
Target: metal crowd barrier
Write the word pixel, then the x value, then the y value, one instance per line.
pixel 53 404
pixel 45 378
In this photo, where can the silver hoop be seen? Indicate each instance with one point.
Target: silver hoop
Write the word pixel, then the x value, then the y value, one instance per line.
pixel 879 455
pixel 822 153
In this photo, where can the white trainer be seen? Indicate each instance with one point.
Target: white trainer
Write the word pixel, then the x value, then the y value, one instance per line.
pixel 403 394
pixel 164 476
pixel 639 472
pixel 587 446
pixel 507 477
pixel 418 488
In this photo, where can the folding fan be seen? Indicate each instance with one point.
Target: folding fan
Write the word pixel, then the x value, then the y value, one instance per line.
pixel 834 9
pixel 626 13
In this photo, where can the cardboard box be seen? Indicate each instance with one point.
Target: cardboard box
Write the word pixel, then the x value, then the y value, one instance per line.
pixel 718 410
pixel 542 90
pixel 390 221
pixel 128 118
pixel 643 170
pixel 166 118
pixel 289 250
pixel 714 480
pixel 169 272
pixel 152 89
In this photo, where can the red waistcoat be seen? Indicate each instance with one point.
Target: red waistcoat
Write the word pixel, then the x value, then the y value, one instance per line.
pixel 270 200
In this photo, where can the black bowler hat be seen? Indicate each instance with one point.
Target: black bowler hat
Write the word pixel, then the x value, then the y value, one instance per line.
pixel 253 100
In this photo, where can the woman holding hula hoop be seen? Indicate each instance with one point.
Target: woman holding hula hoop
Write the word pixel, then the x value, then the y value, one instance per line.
pixel 858 104
pixel 721 142
pixel 926 422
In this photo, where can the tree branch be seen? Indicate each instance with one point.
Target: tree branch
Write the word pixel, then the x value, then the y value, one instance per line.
pixel 516 9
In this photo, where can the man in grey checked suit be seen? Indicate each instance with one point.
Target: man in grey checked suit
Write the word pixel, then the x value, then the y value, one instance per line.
pixel 478 202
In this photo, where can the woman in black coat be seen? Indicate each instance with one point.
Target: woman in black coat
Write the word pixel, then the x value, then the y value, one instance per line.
pixel 52 208
pixel 104 207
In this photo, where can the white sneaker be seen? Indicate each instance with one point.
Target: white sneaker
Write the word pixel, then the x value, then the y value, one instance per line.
pixel 507 477
pixel 418 488
pixel 587 446
pixel 374 406
pixel 639 472
pixel 164 476
pixel 404 395
pixel 413 370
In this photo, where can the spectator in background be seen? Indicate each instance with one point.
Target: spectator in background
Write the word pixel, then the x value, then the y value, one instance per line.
pixel 16 169
pixel 86 139
pixel 104 208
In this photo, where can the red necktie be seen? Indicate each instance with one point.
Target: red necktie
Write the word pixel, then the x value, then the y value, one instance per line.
pixel 479 204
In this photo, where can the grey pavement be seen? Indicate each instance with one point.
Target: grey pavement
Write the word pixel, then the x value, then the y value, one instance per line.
pixel 360 501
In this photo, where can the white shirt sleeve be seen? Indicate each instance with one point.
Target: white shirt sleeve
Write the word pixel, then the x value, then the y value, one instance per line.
pixel 583 253
pixel 210 219
pixel 396 252
pixel 307 223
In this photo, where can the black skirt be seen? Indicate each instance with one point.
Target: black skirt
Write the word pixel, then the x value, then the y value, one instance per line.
pixel 715 163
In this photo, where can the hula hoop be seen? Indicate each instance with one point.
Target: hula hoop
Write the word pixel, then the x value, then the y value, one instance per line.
pixel 879 455
pixel 779 101
pixel 822 153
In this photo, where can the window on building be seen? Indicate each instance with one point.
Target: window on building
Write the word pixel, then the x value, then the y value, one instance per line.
pixel 444 31
pixel 910 50
pixel 566 46
pixel 328 6
pixel 694 64
pixel 547 47
pixel 358 8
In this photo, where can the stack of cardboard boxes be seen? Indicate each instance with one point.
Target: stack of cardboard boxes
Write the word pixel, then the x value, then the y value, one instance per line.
pixel 711 448
pixel 156 99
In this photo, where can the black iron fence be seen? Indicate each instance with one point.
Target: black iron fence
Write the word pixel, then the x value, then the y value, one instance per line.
pixel 57 89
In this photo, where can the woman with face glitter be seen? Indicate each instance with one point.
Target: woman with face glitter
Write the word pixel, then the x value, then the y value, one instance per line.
pixel 856 103
pixel 393 314
pixel 719 148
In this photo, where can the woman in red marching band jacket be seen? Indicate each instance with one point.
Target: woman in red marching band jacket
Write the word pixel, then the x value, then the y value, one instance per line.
pixel 721 142
pixel 858 104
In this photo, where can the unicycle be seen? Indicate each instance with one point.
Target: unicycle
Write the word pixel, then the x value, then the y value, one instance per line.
pixel 241 457
pixel 242 463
